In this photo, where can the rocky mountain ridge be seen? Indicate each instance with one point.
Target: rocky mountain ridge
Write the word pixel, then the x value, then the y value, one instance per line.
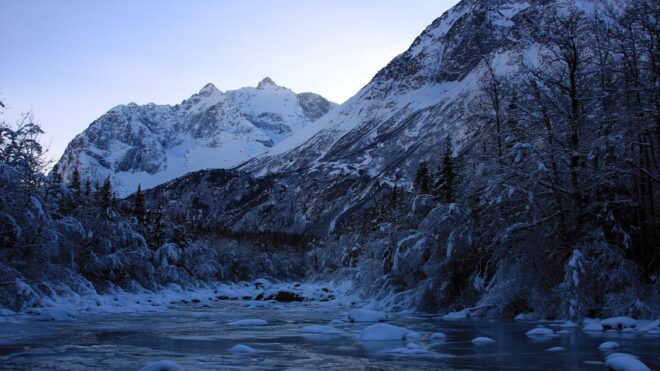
pixel 150 144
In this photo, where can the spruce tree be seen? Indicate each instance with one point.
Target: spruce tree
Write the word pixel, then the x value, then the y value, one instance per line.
pixel 138 205
pixel 55 175
pixel 74 183
pixel 105 196
pixel 422 182
pixel 447 175
pixel 88 187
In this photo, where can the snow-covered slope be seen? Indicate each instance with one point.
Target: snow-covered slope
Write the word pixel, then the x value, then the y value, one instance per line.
pixel 423 95
pixel 151 144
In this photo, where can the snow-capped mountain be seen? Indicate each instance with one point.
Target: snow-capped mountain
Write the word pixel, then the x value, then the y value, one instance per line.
pixel 150 144
pixel 400 118
pixel 419 97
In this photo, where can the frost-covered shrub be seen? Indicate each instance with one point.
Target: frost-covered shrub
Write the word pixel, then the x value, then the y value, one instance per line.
pixel 167 254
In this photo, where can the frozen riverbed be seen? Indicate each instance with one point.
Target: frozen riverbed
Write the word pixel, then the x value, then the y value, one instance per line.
pixel 308 335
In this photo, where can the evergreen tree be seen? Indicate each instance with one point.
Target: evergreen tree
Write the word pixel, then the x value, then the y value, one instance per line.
pixel 158 228
pixel 138 205
pixel 55 176
pixel 88 188
pixel 105 196
pixel 447 176
pixel 74 183
pixel 422 182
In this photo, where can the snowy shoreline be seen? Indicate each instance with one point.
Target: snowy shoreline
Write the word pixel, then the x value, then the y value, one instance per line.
pixel 260 292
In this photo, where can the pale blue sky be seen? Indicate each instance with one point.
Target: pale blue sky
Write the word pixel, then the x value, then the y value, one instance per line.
pixel 69 61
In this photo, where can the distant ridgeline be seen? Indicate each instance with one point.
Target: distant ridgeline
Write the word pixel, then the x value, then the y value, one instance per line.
pixel 507 163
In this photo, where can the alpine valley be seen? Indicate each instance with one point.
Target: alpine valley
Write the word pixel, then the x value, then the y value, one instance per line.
pixel 506 165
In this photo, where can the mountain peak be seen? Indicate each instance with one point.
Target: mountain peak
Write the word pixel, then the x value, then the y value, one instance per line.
pixel 209 89
pixel 267 82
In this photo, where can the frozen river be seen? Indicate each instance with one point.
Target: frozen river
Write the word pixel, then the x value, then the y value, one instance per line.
pixel 197 337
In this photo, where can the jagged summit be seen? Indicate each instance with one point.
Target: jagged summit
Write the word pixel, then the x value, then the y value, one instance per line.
pixel 267 82
pixel 150 144
pixel 209 89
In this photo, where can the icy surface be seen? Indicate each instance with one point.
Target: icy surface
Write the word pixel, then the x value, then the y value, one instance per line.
pixel 195 337
pixel 316 329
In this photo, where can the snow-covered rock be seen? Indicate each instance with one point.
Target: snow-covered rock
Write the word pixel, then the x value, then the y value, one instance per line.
pixel 248 322
pixel 540 331
pixel 164 365
pixel 608 345
pixel 618 323
pixel 383 332
pixel 438 336
pixel 482 340
pixel 366 315
pixel 625 362
pixel 242 349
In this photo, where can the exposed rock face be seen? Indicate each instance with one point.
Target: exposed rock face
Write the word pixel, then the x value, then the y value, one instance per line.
pixel 150 144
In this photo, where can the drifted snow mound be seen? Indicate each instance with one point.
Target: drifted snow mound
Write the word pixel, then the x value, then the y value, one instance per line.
pixel 248 322
pixel 625 362
pixel 384 332
pixel 618 323
pixel 540 331
pixel 242 349
pixel 164 365
pixel 555 349
pixel 482 340
pixel 608 345
pixel 366 315
pixel 438 336
pixel 316 329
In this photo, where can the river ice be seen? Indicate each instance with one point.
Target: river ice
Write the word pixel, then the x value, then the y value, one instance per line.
pixel 309 335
